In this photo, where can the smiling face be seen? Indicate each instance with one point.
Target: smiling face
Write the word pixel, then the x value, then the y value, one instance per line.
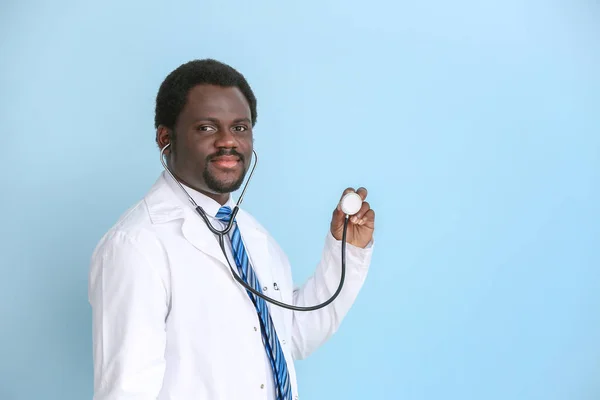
pixel 212 142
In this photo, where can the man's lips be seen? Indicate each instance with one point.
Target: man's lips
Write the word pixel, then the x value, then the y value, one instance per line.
pixel 226 162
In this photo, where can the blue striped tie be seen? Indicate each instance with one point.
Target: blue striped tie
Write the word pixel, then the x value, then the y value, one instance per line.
pixel 269 336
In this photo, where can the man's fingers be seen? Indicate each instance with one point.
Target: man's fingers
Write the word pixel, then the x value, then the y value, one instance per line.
pixel 368 219
pixel 362 192
pixel 359 216
pixel 345 192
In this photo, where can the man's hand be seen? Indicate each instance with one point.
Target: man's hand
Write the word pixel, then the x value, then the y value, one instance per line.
pixel 360 226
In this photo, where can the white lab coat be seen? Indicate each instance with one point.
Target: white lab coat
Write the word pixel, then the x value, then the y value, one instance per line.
pixel 170 322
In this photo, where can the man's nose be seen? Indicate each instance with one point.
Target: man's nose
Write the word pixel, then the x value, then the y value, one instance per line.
pixel 225 139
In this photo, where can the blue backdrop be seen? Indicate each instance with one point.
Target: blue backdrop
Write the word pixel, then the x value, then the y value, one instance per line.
pixel 475 126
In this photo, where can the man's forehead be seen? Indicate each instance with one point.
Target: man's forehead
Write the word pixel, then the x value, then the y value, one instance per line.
pixel 216 102
pixel 218 97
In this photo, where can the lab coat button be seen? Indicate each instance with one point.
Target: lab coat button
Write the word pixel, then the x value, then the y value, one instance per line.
pixel 265 289
pixel 262 386
pixel 255 329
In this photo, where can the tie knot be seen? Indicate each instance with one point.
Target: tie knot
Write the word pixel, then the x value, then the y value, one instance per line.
pixel 224 213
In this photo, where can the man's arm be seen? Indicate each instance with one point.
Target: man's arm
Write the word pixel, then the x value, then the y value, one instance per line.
pixel 313 328
pixel 129 299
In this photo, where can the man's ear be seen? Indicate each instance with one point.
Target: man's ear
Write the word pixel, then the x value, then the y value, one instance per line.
pixel 163 137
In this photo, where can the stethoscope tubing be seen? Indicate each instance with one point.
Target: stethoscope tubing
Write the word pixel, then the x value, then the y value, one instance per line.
pixel 220 234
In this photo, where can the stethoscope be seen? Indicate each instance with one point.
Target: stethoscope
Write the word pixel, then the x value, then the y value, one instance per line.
pixel 350 205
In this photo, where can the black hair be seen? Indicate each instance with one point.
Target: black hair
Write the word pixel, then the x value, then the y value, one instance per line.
pixel 173 92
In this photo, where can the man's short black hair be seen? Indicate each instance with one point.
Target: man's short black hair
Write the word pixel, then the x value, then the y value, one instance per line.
pixel 173 92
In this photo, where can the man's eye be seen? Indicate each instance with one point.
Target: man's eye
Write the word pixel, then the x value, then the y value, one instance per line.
pixel 205 128
pixel 240 128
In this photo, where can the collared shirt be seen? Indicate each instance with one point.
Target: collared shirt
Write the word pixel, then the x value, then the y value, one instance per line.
pixel 169 320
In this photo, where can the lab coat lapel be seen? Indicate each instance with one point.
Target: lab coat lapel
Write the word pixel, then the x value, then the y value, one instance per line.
pixel 197 233
pixel 166 203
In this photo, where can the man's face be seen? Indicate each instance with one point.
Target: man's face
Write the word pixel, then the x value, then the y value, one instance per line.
pixel 213 142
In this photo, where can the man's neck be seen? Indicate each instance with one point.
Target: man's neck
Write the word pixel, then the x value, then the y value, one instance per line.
pixel 221 198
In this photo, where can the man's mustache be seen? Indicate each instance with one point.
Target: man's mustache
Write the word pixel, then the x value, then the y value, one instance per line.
pixel 224 152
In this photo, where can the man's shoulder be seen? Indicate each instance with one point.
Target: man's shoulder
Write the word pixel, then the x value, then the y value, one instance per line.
pixel 134 220
pixel 134 225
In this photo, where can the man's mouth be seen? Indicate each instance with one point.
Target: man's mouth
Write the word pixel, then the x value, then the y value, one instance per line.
pixel 226 162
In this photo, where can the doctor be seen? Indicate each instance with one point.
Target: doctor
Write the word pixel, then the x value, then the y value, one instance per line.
pixel 169 320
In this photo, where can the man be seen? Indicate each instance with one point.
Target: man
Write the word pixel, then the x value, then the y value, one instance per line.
pixel 169 320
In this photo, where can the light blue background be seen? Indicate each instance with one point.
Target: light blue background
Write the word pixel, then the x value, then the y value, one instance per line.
pixel 475 126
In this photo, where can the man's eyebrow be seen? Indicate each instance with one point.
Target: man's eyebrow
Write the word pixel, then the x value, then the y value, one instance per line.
pixel 242 120
pixel 206 119
pixel 216 121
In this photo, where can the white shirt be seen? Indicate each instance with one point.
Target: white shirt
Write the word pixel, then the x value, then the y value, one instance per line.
pixel 169 320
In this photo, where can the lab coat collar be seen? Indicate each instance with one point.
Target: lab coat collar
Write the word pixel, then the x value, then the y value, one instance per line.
pixel 166 202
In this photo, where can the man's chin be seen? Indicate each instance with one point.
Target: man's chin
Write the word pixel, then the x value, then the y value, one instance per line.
pixel 223 186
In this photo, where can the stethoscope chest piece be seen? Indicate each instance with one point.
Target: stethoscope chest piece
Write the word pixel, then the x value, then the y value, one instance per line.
pixel 351 203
